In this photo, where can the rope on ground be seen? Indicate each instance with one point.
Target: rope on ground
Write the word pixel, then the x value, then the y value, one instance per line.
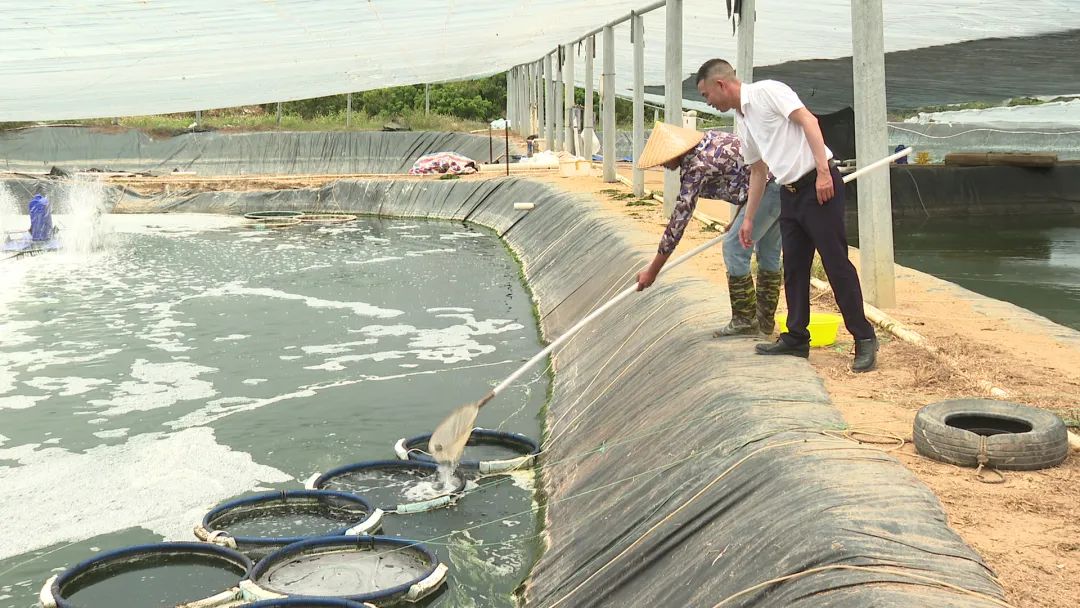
pixel 983 458
pixel 875 569
pixel 859 434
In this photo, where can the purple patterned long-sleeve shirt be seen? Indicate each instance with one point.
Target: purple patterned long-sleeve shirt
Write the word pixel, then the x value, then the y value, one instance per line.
pixel 713 169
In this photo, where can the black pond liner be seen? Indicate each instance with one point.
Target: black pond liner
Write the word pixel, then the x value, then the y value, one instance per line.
pixel 378 569
pixel 338 479
pixel 414 448
pixel 326 513
pixel 63 590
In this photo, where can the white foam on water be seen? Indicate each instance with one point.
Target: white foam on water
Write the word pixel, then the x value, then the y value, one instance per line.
pixel 68 386
pixel 20 402
pixel 254 381
pixel 385 330
pixel 454 344
pixel 375 239
pixel 157 385
pixel 231 337
pixel 341 230
pixel 285 246
pixel 290 357
pixel 173 223
pixel 222 408
pixel 389 258
pixel 11 333
pixel 112 434
pixel 332 349
pixel 158 481
pixel 423 252
pixel 406 227
pixel 4 439
pixel 453 236
pixel 359 308
pixel 449 309
pixel 409 365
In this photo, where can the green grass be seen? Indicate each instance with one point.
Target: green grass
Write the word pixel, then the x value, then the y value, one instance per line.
pixel 248 119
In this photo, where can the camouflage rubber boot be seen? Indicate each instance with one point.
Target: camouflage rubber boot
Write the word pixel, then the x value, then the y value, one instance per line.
pixel 743 307
pixel 768 294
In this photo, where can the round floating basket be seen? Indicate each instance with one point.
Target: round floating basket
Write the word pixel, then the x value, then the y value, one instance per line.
pixel 312 217
pixel 162 574
pixel 275 224
pixel 308 602
pixel 396 486
pixel 273 215
pixel 263 523
pixel 492 451
pixel 382 570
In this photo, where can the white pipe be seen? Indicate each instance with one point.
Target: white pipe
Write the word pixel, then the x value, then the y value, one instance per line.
pixel 673 78
pixel 596 313
pixel 588 122
pixel 637 29
pixel 609 104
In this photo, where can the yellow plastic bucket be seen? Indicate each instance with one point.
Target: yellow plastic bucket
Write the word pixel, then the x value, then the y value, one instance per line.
pixel 823 327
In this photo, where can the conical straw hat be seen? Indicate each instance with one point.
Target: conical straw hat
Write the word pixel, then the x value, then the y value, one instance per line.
pixel 667 142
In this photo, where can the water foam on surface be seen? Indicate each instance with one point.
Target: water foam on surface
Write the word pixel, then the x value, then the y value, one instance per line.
pixel 66 387
pixel 158 481
pixel 157 385
pixel 363 309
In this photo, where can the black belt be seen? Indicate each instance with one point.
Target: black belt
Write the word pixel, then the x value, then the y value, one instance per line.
pixel 808 180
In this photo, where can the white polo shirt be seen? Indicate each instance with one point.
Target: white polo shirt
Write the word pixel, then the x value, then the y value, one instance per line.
pixel 768 134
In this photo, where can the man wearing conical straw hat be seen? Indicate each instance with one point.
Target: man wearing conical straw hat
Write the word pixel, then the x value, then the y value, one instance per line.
pixel 712 166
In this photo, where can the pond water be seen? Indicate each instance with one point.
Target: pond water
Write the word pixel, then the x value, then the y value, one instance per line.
pixel 192 359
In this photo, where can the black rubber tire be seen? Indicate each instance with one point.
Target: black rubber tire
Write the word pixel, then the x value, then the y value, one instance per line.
pixel 1045 445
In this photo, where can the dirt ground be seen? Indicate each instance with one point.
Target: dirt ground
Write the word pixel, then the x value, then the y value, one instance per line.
pixel 1027 528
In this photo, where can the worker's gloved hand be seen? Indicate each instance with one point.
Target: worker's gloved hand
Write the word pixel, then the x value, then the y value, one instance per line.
pixel 645 278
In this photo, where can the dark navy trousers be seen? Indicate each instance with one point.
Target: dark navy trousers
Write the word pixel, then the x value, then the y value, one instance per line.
pixel 806 226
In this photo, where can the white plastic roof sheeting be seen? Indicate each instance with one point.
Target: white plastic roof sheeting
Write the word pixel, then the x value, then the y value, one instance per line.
pixel 66 59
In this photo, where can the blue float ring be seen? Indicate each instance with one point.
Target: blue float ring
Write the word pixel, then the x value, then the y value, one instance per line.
pixel 307 602
pixel 410 449
pixel 230 556
pixel 300 548
pixel 208 522
pixel 319 482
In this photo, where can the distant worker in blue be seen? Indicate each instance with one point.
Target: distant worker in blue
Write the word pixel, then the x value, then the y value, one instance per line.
pixel 41 224
pixel 712 166
pixel 782 138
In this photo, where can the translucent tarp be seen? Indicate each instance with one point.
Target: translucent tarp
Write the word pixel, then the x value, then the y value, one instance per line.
pixel 74 59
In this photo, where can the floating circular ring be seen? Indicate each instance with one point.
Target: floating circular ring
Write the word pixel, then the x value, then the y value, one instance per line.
pixel 272 215
pixel 343 507
pixel 416 571
pixel 337 479
pixel 412 449
pixel 106 565
pixel 311 217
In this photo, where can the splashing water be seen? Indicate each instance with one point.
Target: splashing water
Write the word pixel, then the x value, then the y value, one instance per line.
pixel 10 220
pixel 82 205
pixel 446 475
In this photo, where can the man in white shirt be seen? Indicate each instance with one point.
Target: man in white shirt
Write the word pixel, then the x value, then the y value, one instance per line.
pixel 780 135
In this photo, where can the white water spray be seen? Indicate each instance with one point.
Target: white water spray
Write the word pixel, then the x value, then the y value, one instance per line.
pixel 10 218
pixel 83 221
